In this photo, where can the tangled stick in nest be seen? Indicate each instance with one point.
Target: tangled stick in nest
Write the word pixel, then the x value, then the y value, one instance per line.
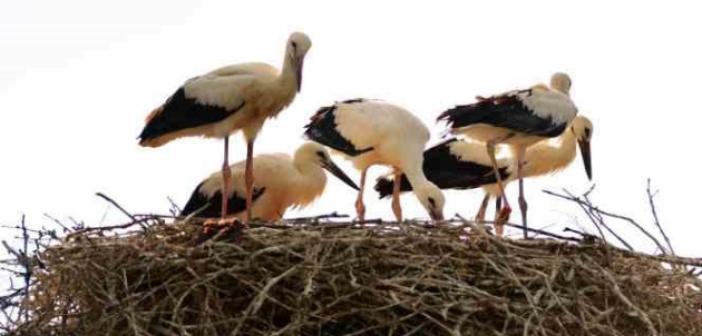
pixel 343 278
pixel 312 276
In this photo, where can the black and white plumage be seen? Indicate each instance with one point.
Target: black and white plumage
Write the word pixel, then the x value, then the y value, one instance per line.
pixel 458 164
pixel 323 129
pixel 233 98
pixel 208 203
pixel 518 119
pixel 452 164
pixel 373 132
pixel 281 181
pixel 533 112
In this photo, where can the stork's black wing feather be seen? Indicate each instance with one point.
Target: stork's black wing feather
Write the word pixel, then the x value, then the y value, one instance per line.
pixel 212 206
pixel 180 112
pixel 506 111
pixel 447 171
pixel 322 129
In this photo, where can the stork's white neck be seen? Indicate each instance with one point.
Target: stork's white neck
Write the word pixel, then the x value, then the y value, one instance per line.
pixel 544 158
pixel 288 76
pixel 311 183
pixel 415 176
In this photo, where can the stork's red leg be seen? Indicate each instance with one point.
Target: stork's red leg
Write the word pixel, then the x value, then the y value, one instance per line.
pixel 396 207
pixel 506 210
pixel 360 207
pixel 226 179
pixel 211 226
pixel 480 217
pixel 249 179
pixel 522 199
pixel 499 227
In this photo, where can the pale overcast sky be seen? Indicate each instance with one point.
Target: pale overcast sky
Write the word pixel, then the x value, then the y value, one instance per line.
pixel 77 79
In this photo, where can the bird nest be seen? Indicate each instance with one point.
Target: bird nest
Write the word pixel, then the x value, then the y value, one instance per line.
pixel 346 279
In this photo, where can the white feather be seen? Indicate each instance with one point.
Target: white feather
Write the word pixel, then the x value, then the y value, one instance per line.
pixel 549 104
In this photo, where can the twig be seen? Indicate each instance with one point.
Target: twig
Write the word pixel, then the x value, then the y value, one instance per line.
pixel 55 220
pixel 608 214
pixel 617 291
pixel 111 201
pixel 597 225
pixel 597 219
pixel 26 264
pixel 517 226
pixel 333 215
pixel 7 300
pixel 139 221
pixel 651 203
pixel 175 209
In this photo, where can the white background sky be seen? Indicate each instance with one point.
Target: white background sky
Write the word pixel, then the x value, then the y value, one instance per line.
pixel 77 79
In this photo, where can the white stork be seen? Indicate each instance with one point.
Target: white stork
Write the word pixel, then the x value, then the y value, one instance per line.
pixel 456 164
pixel 232 98
pixel 372 132
pixel 280 182
pixel 518 119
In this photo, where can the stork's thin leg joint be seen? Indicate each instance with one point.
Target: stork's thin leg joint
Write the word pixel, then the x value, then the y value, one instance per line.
pixel 226 179
pixel 506 210
pixel 522 200
pixel 360 207
pixel 396 207
pixel 499 227
pixel 249 179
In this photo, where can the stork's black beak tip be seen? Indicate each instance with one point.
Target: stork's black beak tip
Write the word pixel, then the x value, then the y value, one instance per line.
pixel 336 171
pixel 587 157
pixel 298 74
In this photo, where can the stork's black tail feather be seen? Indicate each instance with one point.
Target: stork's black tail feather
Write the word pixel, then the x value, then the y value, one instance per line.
pixel 212 206
pixel 465 115
pixel 384 185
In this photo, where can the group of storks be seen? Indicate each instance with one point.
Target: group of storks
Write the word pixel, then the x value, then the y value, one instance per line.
pixel 536 131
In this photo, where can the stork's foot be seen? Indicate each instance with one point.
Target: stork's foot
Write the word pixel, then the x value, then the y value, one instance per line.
pixel 501 219
pixel 224 229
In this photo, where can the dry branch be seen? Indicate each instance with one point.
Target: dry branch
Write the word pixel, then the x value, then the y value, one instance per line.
pixel 337 278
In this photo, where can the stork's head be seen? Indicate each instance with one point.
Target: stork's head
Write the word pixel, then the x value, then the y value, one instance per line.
pixel 582 128
pixel 561 82
pixel 298 45
pixel 432 199
pixel 315 153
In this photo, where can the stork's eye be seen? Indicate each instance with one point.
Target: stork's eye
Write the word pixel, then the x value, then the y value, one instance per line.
pixel 432 202
pixel 321 154
pixel 294 44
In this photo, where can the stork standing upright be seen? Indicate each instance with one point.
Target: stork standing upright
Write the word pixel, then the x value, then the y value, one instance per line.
pixel 456 164
pixel 280 181
pixel 371 132
pixel 518 119
pixel 232 98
